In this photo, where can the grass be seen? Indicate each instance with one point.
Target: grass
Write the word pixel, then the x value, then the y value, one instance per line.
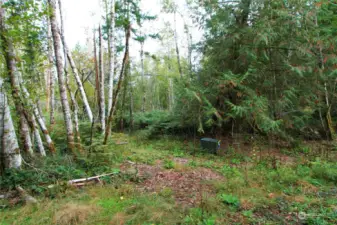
pixel 253 190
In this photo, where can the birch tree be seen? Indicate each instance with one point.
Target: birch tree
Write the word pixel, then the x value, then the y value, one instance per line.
pixel 38 122
pixel 9 147
pixel 10 58
pixel 9 144
pixel 51 81
pixel 68 55
pixel 60 74
pixel 101 82
pixel 119 85
pixel 111 55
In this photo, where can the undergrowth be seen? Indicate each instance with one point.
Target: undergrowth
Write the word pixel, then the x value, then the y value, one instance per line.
pixel 254 189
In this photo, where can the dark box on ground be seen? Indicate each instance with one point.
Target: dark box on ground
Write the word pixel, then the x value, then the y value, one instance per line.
pixel 209 144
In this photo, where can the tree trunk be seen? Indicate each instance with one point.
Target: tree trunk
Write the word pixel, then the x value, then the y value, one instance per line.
pixel 143 74
pixel 189 48
pixel 75 112
pixel 101 82
pixel 44 129
pixel 9 148
pixel 96 69
pixel 131 103
pixel 67 54
pixel 15 86
pixel 51 77
pixel 125 85
pixel 25 135
pixel 171 95
pixel 38 139
pixel 177 45
pixel 120 81
pixel 38 120
pixel 62 33
pixel 321 69
pixel 111 55
pixel 60 71
pixel 79 83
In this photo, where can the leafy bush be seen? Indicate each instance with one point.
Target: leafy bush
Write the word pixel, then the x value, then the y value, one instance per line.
pixel 284 175
pixel 230 200
pixel 168 164
pixel 325 171
pixel 229 171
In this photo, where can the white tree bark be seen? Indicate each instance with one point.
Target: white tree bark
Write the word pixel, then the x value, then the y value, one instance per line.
pixel 101 82
pixel 111 55
pixel 15 85
pixel 75 114
pixel 25 135
pixel 38 138
pixel 60 73
pixel 79 83
pixel 119 85
pixel 143 74
pixel 44 129
pixel 9 147
pixel 51 81
pixel 38 120
pixel 67 54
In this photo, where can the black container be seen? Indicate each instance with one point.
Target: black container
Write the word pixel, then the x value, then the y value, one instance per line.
pixel 210 145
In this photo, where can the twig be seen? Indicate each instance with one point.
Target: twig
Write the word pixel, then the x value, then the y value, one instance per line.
pixel 37 169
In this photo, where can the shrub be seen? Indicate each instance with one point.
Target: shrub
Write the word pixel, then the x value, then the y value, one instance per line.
pixel 325 171
pixel 168 164
pixel 230 200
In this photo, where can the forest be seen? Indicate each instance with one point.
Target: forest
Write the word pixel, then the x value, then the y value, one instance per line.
pixel 191 112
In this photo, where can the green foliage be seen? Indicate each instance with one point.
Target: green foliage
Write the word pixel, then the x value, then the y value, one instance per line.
pixel 230 200
pixel 41 174
pixel 169 164
pixel 325 171
pixel 199 217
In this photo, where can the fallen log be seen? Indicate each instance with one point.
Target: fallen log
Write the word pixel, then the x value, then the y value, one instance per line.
pixel 90 180
pixel 26 197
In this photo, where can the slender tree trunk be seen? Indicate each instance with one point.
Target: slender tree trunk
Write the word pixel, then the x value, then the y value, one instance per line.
pixel 15 86
pixel 38 138
pixel 67 54
pixel 111 55
pixel 177 45
pixel 38 121
pixel 75 112
pixel 25 135
pixel 96 70
pixel 121 122
pixel 321 66
pixel 120 81
pixel 131 103
pixel 9 148
pixel 143 74
pixel 79 83
pixel 44 129
pixel 51 77
pixel 101 82
pixel 171 95
pixel 48 73
pixel 189 43
pixel 60 73
pixel 62 33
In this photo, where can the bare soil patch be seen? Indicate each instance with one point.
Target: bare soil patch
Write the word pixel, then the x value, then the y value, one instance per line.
pixel 188 187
